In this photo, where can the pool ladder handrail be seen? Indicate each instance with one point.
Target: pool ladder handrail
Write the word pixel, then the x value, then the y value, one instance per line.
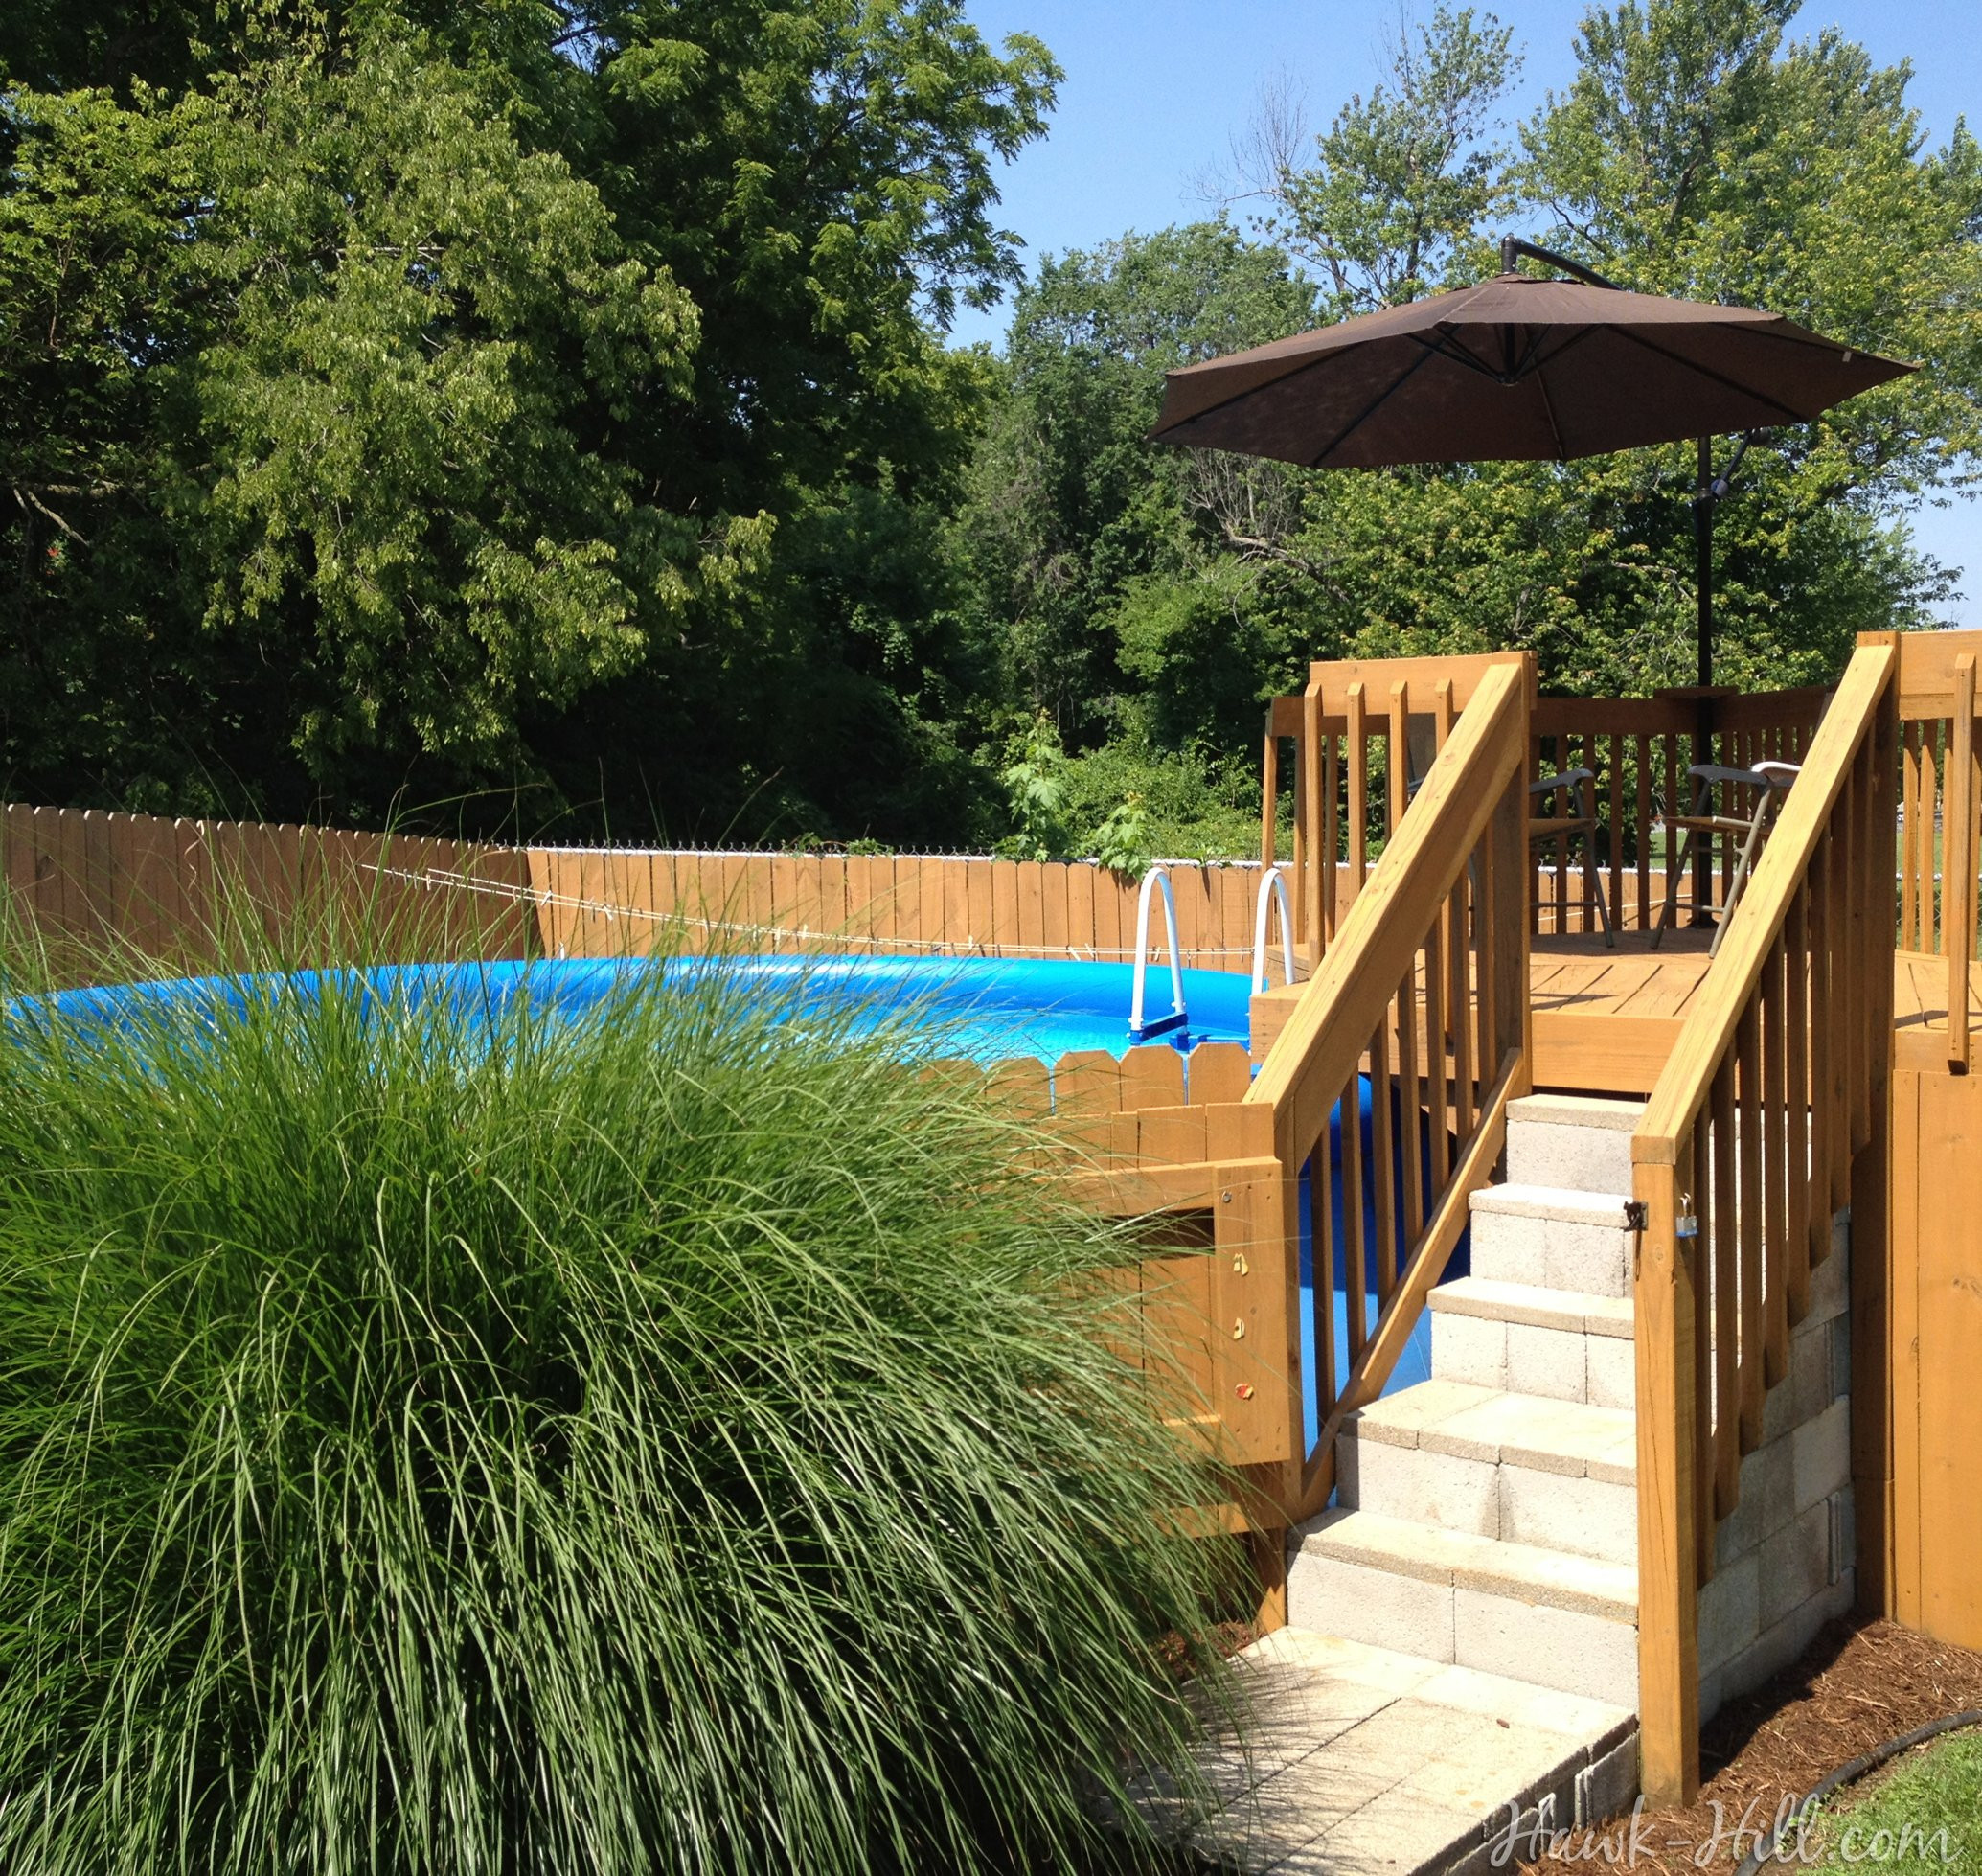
pixel 1272 889
pixel 1179 1018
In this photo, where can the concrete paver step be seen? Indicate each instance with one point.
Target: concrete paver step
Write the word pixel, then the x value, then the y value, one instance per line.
pixel 1582 1142
pixel 1553 1238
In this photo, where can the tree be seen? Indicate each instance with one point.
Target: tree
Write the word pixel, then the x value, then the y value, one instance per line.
pixel 1390 202
pixel 476 407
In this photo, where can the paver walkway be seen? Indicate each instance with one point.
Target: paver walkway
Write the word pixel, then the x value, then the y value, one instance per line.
pixel 1368 1763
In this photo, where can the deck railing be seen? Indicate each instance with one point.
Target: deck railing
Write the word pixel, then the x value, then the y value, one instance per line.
pixel 1745 1152
pixel 1425 988
pixel 1940 801
pixel 1346 724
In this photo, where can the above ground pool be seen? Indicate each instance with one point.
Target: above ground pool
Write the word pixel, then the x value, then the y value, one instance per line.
pixel 979 1008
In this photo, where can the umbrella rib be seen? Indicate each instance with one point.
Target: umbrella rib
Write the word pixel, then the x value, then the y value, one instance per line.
pixel 1706 371
pixel 1161 434
pixel 1548 410
pixel 1349 430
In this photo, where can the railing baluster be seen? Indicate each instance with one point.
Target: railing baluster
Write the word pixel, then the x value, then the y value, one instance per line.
pixel 1796 1161
pixel 1727 1451
pixel 1329 858
pixel 1695 1172
pixel 1408 1105
pixel 1383 1162
pixel 1958 864
pixel 1748 1220
pixel 1776 1174
pixel 1435 1058
pixel 1459 1014
pixel 1358 757
pixel 1909 840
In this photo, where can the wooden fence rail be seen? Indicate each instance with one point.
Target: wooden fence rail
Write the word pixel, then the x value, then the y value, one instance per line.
pixel 1744 1152
pixel 1426 986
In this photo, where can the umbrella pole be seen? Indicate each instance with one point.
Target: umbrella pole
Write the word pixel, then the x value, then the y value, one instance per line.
pixel 1703 646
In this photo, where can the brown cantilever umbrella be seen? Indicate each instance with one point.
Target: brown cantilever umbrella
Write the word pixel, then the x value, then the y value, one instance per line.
pixel 1521 369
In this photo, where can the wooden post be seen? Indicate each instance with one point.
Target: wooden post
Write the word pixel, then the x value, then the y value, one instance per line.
pixel 1958 861
pixel 1270 795
pixel 1668 1541
pixel 1873 1406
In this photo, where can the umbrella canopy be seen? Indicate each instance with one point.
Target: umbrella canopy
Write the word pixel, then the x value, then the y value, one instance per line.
pixel 1514 369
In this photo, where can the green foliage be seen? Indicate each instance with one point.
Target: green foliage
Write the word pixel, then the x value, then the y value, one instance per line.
pixel 1402 182
pixel 1035 783
pixel 1698 153
pixel 467 400
pixel 676 1439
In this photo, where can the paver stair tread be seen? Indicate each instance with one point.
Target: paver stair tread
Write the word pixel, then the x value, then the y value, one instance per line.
pixel 1466 1422
pixel 1576 1110
pixel 1492 1565
pixel 1574 1311
pixel 1553 1201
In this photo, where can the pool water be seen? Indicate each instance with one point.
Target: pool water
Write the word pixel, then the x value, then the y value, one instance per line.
pixel 982 1009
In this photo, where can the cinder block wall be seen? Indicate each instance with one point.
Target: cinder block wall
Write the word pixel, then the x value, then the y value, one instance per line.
pixel 1784 1561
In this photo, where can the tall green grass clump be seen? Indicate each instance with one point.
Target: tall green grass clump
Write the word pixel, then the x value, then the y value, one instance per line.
pixel 683 1440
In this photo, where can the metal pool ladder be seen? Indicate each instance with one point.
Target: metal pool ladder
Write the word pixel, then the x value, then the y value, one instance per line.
pixel 1179 1018
pixel 1272 891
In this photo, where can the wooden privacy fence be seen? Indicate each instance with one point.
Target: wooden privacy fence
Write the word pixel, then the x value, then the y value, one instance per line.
pixel 594 903
pixel 1425 988
pixel 1745 1150
pixel 180 891
pixel 94 888
pixel 1350 788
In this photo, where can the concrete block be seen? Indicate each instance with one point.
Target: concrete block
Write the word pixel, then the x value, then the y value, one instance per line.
pixel 1549 1239
pixel 1607 1786
pixel 1584 1516
pixel 1821 1454
pixel 1424 1488
pixel 1805 1391
pixel 1830 1283
pixel 1795 1565
pixel 1844 1533
pixel 1582 1143
pixel 1711 1693
pixel 1468 1348
pixel 1765 1501
pixel 1785 1641
pixel 1400 1612
pixel 1552 1647
pixel 1730 1611
pixel 1611 1372
pixel 1841 1356
pixel 1546 1361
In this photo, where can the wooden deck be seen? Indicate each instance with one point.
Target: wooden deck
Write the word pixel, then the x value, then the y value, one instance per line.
pixel 1606 1020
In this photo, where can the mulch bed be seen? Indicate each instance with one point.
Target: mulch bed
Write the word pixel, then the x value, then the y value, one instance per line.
pixel 1860 1685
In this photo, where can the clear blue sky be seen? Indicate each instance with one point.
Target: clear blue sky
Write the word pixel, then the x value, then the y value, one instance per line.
pixel 1154 90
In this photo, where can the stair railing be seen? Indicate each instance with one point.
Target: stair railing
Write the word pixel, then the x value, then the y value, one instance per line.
pixel 1424 990
pixel 1274 895
pixel 1139 1030
pixel 1746 1151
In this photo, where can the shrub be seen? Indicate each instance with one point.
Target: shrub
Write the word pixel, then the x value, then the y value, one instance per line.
pixel 686 1439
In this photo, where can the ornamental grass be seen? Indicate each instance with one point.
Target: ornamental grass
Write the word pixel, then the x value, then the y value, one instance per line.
pixel 441 1438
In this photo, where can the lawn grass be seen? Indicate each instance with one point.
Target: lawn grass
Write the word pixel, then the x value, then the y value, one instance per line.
pixel 1925 1813
pixel 685 1440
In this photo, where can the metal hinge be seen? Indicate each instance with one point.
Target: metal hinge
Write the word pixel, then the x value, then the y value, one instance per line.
pixel 1636 1215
